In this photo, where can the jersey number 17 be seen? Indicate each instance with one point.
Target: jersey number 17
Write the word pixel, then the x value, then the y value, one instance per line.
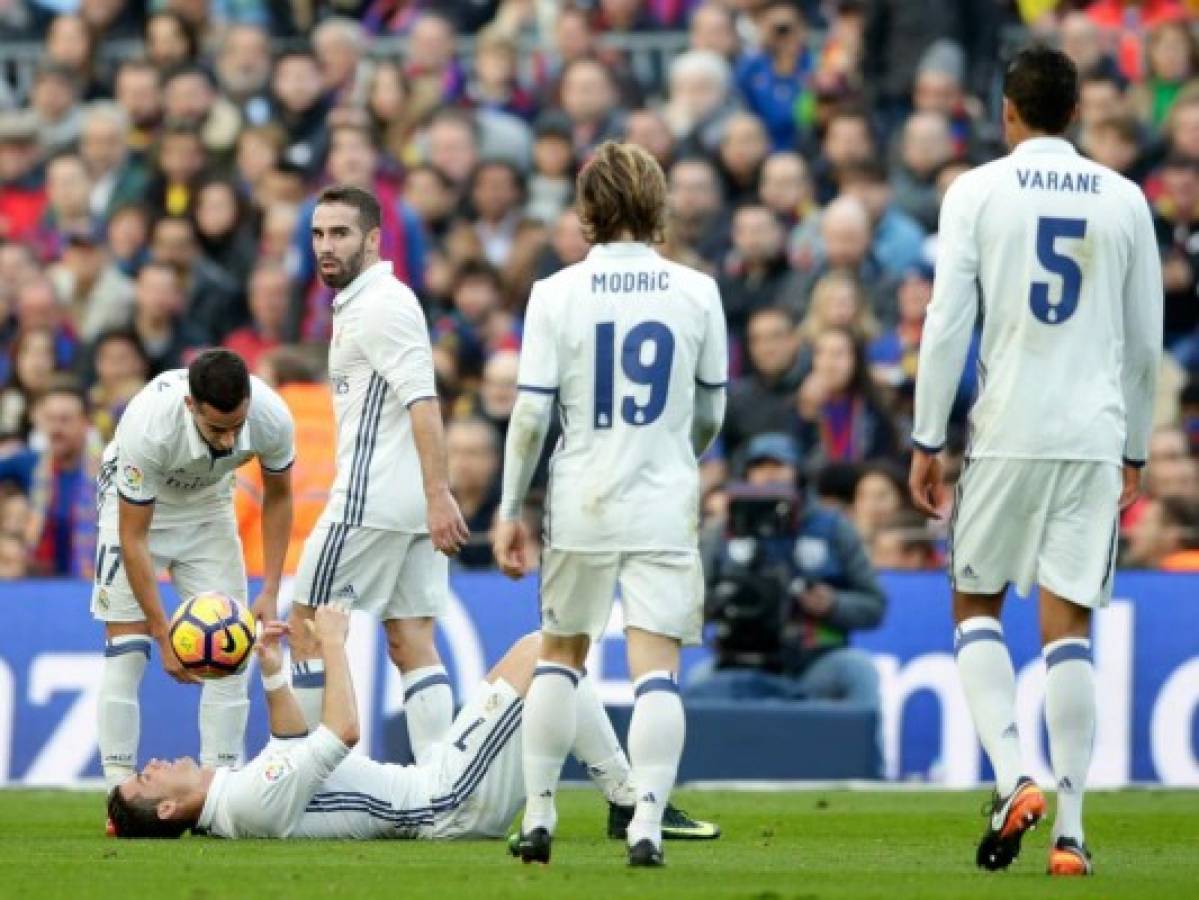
pixel 655 374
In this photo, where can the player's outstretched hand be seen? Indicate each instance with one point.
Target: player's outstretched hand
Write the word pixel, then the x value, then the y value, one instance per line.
pixel 510 547
pixel 331 623
pixel 269 645
pixel 927 484
pixel 1131 488
pixel 447 528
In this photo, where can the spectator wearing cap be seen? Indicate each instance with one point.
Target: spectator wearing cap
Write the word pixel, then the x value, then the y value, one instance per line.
pixel 551 183
pixel 96 293
pixel 117 177
pixel 701 99
pixel 828 591
pixel 60 481
pixel 22 184
pixel 1176 221
pixel 55 99
pixel 775 80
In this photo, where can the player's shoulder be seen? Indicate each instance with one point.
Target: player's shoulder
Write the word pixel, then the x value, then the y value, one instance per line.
pixel 385 296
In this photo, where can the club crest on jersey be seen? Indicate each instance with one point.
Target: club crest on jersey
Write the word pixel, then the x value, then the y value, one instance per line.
pixel 277 769
pixel 340 383
pixel 133 477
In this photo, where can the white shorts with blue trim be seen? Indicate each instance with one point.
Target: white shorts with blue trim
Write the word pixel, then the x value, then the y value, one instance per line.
pixel 477 781
pixel 661 592
pixel 391 574
pixel 205 556
pixel 1030 521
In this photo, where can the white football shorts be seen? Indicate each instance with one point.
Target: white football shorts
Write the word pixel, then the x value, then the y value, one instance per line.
pixel 204 556
pixel 662 592
pixel 1029 521
pixel 390 574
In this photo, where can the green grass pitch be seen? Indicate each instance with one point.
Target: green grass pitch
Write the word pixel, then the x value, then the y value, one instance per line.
pixel 776 846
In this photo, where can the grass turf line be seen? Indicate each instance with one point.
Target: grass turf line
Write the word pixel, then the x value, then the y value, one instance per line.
pixel 785 846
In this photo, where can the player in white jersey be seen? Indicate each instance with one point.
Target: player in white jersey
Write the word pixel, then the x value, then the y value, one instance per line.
pixel 310 786
pixel 381 543
pixel 632 349
pixel 1057 255
pixel 166 502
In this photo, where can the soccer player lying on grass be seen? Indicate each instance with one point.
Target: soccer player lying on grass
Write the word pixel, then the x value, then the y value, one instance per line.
pixel 309 786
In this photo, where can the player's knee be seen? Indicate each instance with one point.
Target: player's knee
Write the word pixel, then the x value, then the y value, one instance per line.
pixel 410 643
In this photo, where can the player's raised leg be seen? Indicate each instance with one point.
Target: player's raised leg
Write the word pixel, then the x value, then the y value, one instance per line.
pixel 989 681
pixel 1070 718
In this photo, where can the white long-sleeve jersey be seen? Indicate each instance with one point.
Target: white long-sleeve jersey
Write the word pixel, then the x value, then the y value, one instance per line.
pixel 623 340
pixel 1058 256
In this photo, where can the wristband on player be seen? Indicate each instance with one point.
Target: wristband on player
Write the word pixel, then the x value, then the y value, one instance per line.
pixel 274 682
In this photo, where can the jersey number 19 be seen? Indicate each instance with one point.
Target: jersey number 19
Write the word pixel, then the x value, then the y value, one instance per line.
pixel 655 373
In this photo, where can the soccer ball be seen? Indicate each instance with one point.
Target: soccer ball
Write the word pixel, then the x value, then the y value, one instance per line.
pixel 212 635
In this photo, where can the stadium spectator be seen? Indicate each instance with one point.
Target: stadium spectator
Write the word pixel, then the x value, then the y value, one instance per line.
pixel 763 400
pixel 60 481
pixel 473 464
pixel 178 160
pixel 743 149
pixel 452 145
pixel 392 116
pixel 224 227
pixel 841 417
pixel 713 29
pixel 701 100
pixel 1166 536
pixel 31 372
pixel 117 178
pixel 39 306
pixel 243 71
pixel 696 205
pixel 879 495
pixel 786 188
pixel 158 317
pixel 898 242
pixel 14 558
pixel 1172 57
pixel 71 45
pixel 756 269
pixel 903 542
pixel 774 79
pixel 925 147
pixel 1176 220
pixel 213 295
pixel 269 302
pixel 340 47
pixel 647 129
pixel 590 100
pixel 97 294
pixel 138 91
pixel 55 100
pixel 170 40
pixel 22 186
pixel 119 369
pixel 301 107
pixel 190 98
pixel 837 301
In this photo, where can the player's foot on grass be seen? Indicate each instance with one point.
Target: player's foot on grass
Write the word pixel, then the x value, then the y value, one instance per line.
pixel 644 854
pixel 1068 857
pixel 676 824
pixel 110 830
pixel 534 846
pixel 1010 817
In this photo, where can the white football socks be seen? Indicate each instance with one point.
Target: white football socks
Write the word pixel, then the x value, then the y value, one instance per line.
pixel 989 681
pixel 1070 717
pixel 656 735
pixel 428 708
pixel 549 731
pixel 119 713
pixel 224 708
pixel 598 749
pixel 308 684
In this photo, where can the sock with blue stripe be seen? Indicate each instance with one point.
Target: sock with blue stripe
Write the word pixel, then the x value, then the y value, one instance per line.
pixel 598 749
pixel 656 735
pixel 428 708
pixel 224 708
pixel 308 684
pixel 550 717
pixel 989 682
pixel 1070 718
pixel 125 659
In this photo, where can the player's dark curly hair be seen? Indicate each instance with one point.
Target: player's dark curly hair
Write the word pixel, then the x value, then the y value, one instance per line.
pixel 219 378
pixel 138 818
pixel 1042 83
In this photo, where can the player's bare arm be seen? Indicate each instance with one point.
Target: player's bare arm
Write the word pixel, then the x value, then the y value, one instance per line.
pixel 134 530
pixel 926 483
pixel 447 528
pixel 276 533
pixel 339 714
pixel 283 711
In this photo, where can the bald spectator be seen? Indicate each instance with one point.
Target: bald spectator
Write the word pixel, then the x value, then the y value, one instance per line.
pixel 340 44
pixel 117 177
pixel 701 99
pixel 243 70
pixel 925 147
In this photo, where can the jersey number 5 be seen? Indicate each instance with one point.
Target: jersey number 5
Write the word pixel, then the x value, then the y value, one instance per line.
pixel 1049 229
pixel 655 374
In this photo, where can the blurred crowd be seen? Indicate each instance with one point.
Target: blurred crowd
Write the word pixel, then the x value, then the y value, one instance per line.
pixel 157 201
